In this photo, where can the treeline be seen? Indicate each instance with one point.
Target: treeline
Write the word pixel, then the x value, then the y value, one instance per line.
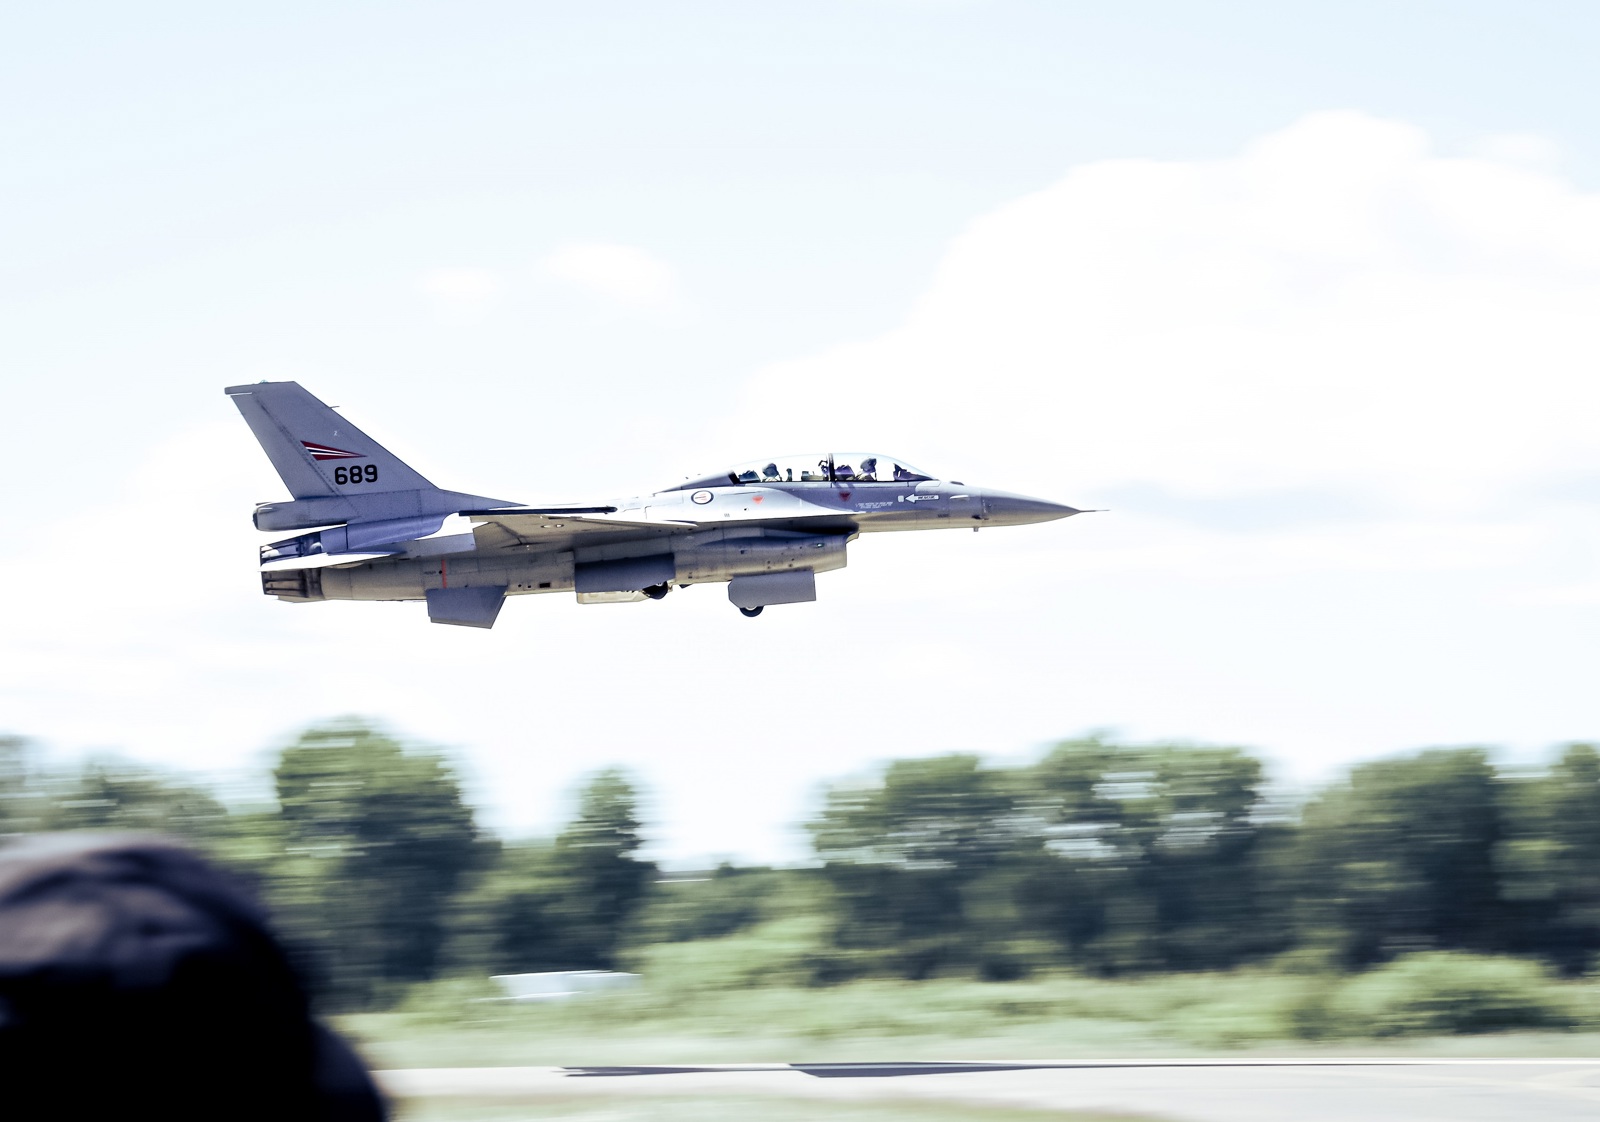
pixel 375 868
pixel 1103 858
pixel 1116 859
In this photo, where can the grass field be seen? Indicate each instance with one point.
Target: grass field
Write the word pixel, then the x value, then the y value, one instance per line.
pixel 701 1017
pixel 1061 1017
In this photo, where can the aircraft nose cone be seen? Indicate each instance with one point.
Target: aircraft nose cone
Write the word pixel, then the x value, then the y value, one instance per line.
pixel 1005 509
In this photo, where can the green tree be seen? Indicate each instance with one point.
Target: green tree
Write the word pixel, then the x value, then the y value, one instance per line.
pixel 730 898
pixel 20 804
pixel 513 918
pixel 1151 856
pixel 1549 862
pixel 109 794
pixel 597 858
pixel 920 867
pixel 564 905
pixel 1401 858
pixel 377 840
pixel 1114 858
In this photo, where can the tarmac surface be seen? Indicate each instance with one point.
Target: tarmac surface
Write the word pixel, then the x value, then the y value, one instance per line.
pixel 1320 1090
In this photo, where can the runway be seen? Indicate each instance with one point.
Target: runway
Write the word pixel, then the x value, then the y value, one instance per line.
pixel 1269 1090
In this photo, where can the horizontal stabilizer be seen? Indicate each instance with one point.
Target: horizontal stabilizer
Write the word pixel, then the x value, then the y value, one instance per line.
pixel 319 561
pixel 366 537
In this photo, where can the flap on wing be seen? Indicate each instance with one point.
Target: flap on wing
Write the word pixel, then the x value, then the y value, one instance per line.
pixel 534 523
pixel 496 511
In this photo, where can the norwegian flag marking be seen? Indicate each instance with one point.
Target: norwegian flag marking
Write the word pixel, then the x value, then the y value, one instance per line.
pixel 323 452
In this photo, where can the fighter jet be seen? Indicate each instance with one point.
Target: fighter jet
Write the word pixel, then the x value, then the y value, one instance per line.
pixel 380 531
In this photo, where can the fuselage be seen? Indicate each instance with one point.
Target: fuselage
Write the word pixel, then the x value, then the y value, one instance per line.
pixel 636 548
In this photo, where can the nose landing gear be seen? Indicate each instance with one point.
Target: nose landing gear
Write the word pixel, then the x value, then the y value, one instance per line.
pixel 752 613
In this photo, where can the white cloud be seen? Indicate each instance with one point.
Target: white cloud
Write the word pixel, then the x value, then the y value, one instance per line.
pixel 621 274
pixel 1520 148
pixel 1336 307
pixel 129 609
pixel 1586 595
pixel 461 295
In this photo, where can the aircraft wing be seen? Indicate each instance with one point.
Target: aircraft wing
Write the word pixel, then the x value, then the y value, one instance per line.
pixel 558 529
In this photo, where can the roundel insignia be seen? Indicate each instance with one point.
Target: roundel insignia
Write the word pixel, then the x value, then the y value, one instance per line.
pixel 701 497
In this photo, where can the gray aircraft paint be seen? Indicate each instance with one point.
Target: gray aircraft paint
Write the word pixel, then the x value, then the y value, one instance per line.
pixel 336 473
pixel 764 531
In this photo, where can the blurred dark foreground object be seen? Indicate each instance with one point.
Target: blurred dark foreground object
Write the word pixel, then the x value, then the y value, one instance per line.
pixel 138 979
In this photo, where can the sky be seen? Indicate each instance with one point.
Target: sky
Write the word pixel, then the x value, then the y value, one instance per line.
pixel 1304 295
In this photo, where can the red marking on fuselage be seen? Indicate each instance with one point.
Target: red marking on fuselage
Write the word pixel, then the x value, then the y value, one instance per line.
pixel 756 498
pixel 844 496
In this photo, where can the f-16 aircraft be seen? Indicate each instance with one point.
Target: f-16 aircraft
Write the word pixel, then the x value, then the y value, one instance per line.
pixel 764 528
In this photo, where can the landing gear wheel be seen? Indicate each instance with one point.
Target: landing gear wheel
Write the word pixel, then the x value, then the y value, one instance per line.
pixel 752 612
pixel 657 591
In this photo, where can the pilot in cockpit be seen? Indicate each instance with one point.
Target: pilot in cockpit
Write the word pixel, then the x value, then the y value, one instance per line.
pixel 869 469
pixel 771 474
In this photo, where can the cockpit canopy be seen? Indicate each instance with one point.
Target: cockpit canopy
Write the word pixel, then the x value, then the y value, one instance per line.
pixel 824 467
pixel 828 467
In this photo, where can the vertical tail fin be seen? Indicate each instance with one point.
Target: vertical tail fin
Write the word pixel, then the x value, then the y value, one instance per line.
pixel 336 472
pixel 316 451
